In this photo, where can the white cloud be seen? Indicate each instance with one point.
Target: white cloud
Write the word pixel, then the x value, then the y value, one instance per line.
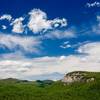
pixel 25 68
pixel 6 16
pixel 98 18
pixel 38 21
pixel 18 26
pixel 60 34
pixel 65 45
pixel 96 28
pixel 12 42
pixel 90 48
pixel 4 27
pixel 13 55
pixel 59 22
pixel 93 4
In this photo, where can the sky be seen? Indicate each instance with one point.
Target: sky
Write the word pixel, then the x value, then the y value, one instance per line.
pixel 45 39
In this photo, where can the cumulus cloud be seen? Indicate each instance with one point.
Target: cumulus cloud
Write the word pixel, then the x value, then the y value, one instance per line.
pixel 38 21
pixel 26 68
pixel 93 4
pixel 14 42
pixel 6 16
pixel 18 26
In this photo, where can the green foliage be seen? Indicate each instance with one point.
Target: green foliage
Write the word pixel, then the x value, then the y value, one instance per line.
pixel 48 90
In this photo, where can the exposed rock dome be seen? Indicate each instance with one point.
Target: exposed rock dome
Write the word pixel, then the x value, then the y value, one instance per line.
pixel 77 76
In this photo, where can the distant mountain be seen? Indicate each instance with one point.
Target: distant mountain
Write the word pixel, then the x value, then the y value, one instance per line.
pixel 12 80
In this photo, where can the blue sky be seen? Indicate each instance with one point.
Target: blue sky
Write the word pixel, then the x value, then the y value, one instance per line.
pixel 44 39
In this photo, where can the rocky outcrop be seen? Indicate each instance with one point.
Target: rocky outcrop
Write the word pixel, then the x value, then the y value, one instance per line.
pixel 77 77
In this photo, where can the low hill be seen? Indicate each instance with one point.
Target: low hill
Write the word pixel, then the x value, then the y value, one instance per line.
pixel 12 80
pixel 79 89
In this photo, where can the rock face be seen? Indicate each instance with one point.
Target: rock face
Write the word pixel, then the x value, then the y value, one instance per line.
pixel 76 77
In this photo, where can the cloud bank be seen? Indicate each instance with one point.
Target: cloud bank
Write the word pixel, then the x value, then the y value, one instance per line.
pixel 23 68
